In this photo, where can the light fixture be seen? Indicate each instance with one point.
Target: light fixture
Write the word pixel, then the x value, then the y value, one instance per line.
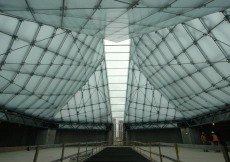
pixel 213 123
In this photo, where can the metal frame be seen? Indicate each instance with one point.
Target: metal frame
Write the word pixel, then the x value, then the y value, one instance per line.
pixel 19 118
pixel 143 23
pixel 167 74
pixel 219 116
pixel 182 103
pixel 88 65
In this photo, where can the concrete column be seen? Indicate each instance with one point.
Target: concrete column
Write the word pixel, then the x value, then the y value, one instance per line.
pixel 45 137
pixel 127 136
pixel 51 136
pixel 110 137
pixel 191 135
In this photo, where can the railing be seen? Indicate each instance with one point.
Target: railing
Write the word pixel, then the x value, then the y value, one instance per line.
pixel 136 145
pixel 91 148
pixel 77 157
pixel 119 143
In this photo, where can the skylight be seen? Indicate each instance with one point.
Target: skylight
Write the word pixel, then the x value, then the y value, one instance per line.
pixel 117 63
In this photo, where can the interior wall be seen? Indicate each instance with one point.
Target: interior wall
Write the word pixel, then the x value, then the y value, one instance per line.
pixel 21 135
pixel 222 130
pixel 45 137
pixel 155 135
pixel 191 135
pixel 17 135
pixel 71 136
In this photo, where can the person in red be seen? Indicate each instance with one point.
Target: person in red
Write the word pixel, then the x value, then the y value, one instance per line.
pixel 204 140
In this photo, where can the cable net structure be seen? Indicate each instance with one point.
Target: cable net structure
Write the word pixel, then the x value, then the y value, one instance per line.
pixel 53 69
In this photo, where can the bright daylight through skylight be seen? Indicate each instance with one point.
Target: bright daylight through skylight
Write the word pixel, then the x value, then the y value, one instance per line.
pixel 117 62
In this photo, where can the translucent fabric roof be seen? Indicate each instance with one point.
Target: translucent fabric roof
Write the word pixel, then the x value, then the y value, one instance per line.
pixel 188 64
pixel 144 103
pixel 180 72
pixel 114 20
pixel 57 65
pixel 44 69
pixel 91 104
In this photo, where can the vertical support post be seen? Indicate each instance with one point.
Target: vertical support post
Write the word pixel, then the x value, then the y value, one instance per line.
pixel 177 153
pixel 86 150
pixel 62 153
pixel 78 152
pixel 36 153
pixel 225 153
pixel 96 147
pixel 140 148
pixel 92 148
pixel 150 152
pixel 160 152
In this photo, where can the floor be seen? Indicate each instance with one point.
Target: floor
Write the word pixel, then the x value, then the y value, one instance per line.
pixel 114 154
pixel 47 155
pixel 186 155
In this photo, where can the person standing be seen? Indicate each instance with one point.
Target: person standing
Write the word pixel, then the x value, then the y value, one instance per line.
pixel 214 139
pixel 204 140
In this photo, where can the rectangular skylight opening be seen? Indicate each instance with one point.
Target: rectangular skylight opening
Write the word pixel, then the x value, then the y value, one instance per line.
pixel 117 64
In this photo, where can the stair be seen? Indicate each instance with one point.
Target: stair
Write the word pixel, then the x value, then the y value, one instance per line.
pixel 118 154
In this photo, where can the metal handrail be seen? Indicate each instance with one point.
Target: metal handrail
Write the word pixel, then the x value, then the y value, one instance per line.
pixel 96 147
pixel 136 145
pixel 33 147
